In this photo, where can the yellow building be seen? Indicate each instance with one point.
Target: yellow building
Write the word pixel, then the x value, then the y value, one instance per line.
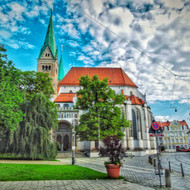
pixel 175 134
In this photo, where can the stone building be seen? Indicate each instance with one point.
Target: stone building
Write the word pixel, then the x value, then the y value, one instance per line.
pixel 175 134
pixel 48 57
pixel 134 108
pixel 189 137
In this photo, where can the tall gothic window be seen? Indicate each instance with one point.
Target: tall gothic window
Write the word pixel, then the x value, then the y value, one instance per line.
pixel 134 125
pixel 139 122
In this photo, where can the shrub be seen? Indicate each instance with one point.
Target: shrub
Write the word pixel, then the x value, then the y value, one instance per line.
pixel 113 149
pixel 138 149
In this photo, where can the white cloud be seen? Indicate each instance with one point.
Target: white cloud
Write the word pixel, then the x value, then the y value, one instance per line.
pixel 184 101
pixel 20 44
pixel 5 34
pixel 173 3
pixel 162 118
pixel 72 43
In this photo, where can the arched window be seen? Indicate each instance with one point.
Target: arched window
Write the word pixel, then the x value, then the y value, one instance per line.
pixel 46 67
pixel 49 67
pixel 70 91
pixel 42 67
pixel 134 125
pixel 66 105
pixel 139 122
pixel 131 93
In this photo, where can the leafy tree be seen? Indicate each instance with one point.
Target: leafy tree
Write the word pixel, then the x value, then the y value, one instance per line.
pixel 32 138
pixel 10 96
pixel 26 108
pixel 101 106
pixel 32 82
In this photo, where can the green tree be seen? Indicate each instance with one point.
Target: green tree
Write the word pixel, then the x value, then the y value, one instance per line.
pixel 32 138
pixel 26 108
pixel 32 82
pixel 10 96
pixel 100 103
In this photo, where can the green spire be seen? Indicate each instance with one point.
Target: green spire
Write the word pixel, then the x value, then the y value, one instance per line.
pixel 50 40
pixel 61 69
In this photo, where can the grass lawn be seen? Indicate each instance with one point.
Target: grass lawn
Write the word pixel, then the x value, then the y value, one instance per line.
pixel 25 172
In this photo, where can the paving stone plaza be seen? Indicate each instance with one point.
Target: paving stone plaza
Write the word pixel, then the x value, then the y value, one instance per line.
pixel 138 173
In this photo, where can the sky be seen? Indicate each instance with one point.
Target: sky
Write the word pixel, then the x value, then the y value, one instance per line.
pixel 148 39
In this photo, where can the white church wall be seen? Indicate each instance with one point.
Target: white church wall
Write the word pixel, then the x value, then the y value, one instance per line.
pixel 69 89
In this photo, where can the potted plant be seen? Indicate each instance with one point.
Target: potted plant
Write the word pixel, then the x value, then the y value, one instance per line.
pixel 113 149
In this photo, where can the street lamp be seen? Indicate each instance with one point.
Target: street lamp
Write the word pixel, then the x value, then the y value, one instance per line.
pixel 98 131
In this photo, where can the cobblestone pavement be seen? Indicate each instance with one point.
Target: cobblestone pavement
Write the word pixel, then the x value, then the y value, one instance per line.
pixel 72 184
pixel 175 160
pixel 138 170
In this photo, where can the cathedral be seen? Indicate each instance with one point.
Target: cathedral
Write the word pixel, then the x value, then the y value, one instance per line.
pixel 134 107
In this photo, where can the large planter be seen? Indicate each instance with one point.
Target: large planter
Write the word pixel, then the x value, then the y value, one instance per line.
pixel 113 170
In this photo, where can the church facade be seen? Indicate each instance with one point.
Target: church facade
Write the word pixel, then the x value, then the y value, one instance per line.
pixel 134 108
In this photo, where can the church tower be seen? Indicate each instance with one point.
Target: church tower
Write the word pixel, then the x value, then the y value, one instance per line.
pixel 61 68
pixel 48 58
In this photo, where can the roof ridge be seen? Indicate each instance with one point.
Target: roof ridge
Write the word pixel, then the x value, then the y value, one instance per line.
pixel 122 75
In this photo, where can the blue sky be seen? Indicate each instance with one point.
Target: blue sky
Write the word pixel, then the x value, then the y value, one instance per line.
pixel 144 35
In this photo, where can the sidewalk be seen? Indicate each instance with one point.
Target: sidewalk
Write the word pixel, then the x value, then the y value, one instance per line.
pixel 62 162
pixel 72 184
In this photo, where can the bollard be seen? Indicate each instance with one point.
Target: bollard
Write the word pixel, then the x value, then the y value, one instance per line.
pixel 170 166
pixel 167 178
pixel 154 162
pixel 182 172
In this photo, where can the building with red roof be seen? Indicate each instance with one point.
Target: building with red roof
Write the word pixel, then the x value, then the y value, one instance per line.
pixel 175 134
pixel 134 107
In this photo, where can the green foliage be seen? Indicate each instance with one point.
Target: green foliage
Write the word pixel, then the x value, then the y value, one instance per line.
pixel 32 138
pixel 26 108
pixel 113 149
pixel 26 172
pixel 10 96
pixel 100 103
pixel 32 82
pixel 163 148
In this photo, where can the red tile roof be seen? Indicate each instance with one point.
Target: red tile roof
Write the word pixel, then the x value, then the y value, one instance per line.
pixel 58 88
pixel 116 76
pixel 135 100
pixel 64 97
pixel 183 123
pixel 166 124
pixel 163 124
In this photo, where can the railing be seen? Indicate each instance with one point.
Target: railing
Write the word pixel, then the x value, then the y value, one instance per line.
pixel 65 108
pixel 67 114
